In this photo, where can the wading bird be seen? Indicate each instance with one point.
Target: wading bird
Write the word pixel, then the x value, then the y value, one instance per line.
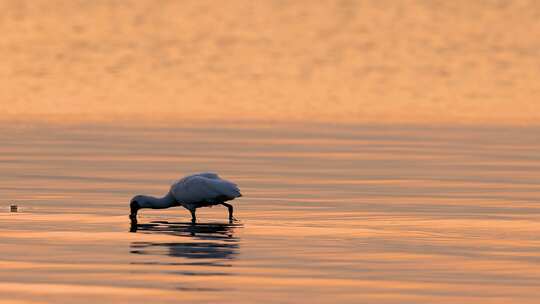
pixel 191 192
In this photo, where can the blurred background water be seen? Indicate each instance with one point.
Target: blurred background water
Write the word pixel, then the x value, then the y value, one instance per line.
pixel 356 61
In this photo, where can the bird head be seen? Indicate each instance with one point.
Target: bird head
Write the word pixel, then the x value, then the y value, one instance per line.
pixel 134 206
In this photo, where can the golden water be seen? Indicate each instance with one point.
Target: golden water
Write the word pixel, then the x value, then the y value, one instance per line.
pixel 362 196
pixel 355 61
pixel 348 214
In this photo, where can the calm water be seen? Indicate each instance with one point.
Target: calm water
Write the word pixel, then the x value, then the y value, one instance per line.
pixel 335 60
pixel 339 214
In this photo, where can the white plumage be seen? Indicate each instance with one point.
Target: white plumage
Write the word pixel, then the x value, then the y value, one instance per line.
pixel 204 187
pixel 191 192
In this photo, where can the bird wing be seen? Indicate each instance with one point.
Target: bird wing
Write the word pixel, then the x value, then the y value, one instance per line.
pixel 210 175
pixel 197 189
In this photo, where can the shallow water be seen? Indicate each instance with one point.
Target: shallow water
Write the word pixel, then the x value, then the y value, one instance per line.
pixel 350 214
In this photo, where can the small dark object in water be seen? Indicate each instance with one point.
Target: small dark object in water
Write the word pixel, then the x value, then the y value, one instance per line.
pixel 13 208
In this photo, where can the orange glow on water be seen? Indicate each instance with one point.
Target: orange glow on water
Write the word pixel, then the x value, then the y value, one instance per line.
pixel 355 129
pixel 342 61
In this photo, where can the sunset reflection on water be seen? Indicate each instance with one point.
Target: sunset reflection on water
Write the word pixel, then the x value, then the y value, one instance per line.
pixel 387 151
pixel 386 214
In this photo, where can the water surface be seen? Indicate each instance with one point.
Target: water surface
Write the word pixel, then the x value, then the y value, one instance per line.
pixel 338 60
pixel 350 214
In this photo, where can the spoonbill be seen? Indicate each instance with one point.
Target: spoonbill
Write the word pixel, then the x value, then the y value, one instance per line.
pixel 191 192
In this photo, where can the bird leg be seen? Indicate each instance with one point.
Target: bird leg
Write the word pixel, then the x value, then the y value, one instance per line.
pixel 230 207
pixel 193 217
pixel 133 227
pixel 134 208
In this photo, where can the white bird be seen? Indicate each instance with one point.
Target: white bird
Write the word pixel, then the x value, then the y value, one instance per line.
pixel 190 192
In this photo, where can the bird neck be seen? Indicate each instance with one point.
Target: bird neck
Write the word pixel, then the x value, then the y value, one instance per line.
pixel 158 203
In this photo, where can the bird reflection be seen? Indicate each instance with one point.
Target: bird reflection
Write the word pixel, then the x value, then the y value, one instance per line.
pixel 206 241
